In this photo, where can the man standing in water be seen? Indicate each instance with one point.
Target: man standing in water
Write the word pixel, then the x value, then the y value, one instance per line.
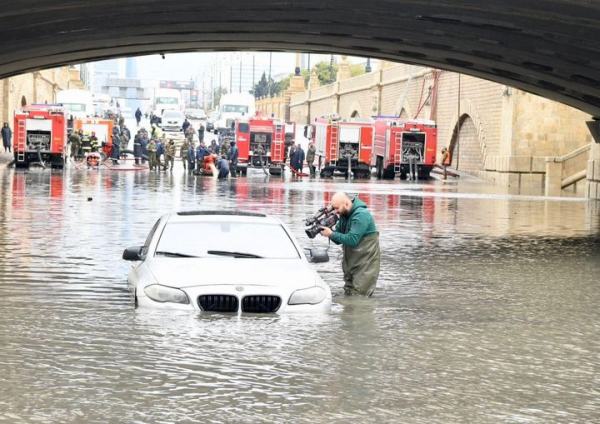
pixel 357 234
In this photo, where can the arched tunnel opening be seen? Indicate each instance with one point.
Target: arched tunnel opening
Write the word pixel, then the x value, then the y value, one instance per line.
pixel 173 261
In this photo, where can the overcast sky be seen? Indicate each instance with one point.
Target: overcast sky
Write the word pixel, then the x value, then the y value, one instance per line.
pixel 184 66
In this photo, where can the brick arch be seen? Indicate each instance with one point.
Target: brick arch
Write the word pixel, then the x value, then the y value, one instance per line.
pixel 465 148
pixel 467 110
pixel 356 110
pixel 402 106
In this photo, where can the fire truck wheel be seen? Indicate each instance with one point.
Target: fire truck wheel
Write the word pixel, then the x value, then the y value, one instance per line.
pixel 275 170
pixel 326 173
pixel 379 167
pixel 388 174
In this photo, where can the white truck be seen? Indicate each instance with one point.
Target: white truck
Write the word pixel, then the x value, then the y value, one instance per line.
pixel 78 104
pixel 232 107
pixel 166 99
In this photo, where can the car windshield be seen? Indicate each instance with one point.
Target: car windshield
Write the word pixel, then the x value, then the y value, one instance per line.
pixel 235 109
pixel 174 115
pixel 240 239
pixel 167 100
pixel 75 107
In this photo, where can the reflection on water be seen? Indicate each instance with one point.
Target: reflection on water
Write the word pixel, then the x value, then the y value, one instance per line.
pixel 487 310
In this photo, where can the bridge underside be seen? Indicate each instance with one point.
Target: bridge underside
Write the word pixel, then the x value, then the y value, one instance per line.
pixel 547 47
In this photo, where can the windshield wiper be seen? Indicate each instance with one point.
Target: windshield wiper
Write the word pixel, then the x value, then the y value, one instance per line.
pixel 233 254
pixel 174 254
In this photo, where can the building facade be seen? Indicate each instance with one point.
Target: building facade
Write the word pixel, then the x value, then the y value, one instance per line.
pixel 517 140
pixel 38 87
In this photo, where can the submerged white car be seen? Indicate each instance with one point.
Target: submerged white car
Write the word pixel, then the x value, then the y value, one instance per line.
pixel 236 262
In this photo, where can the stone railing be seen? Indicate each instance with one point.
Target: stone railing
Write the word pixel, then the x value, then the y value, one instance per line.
pixel 564 171
pixel 402 72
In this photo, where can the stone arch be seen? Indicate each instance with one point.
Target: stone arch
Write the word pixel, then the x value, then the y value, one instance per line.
pixel 355 110
pixel 23 101
pixel 465 147
pixel 467 110
pixel 402 109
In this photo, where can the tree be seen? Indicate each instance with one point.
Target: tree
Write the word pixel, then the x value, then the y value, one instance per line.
pixel 261 88
pixel 326 72
pixel 267 86
pixel 357 69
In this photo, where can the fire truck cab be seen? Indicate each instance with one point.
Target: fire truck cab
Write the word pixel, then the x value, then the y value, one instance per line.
pixel 40 134
pixel 345 146
pixel 261 144
pixel 396 139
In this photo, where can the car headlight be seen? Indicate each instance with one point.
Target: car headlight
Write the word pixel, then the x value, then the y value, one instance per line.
pixel 160 293
pixel 310 296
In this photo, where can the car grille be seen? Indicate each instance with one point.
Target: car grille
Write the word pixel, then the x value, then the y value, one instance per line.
pixel 261 304
pixel 218 303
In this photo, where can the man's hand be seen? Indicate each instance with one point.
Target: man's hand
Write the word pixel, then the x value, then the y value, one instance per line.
pixel 326 232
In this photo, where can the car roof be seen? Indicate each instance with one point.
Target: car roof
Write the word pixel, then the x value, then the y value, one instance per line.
pixel 222 216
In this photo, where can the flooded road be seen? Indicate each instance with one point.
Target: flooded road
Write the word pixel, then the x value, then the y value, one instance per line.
pixel 486 310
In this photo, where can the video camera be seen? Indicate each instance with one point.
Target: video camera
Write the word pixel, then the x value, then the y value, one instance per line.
pixel 325 217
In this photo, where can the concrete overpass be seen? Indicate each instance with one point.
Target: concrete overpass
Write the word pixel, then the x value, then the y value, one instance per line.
pixel 548 47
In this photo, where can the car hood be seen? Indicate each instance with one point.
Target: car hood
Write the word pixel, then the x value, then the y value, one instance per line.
pixel 190 272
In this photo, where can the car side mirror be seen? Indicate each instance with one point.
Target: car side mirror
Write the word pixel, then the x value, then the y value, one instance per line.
pixel 318 255
pixel 133 253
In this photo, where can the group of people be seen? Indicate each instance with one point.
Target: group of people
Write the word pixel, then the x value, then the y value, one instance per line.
pixel 83 143
pixel 297 158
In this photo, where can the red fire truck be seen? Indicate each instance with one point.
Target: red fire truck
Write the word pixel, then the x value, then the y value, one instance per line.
pixel 40 134
pixel 396 138
pixel 345 146
pixel 261 144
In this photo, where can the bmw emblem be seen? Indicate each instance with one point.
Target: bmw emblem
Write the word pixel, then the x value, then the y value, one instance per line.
pixel 239 288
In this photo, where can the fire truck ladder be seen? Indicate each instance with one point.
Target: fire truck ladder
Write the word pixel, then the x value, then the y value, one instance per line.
pixel 397 152
pixel 278 142
pixel 334 142
pixel 21 141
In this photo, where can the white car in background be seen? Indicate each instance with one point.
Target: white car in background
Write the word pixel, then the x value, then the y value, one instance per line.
pixel 197 114
pixel 172 120
pixel 227 262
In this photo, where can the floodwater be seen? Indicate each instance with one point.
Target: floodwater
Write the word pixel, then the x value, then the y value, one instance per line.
pixel 487 310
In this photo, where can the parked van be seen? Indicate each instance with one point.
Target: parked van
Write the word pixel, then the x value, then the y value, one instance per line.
pixel 233 107
pixel 78 104
pixel 166 99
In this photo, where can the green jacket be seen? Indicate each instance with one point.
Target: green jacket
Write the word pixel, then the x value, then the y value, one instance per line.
pixel 350 230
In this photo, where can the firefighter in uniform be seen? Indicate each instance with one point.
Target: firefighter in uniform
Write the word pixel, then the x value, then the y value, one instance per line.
pixel 75 140
pixel 225 148
pixel 184 152
pixel 94 142
pixel 357 234
pixel 86 143
pixel 152 155
pixel 310 158
pixel 170 155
